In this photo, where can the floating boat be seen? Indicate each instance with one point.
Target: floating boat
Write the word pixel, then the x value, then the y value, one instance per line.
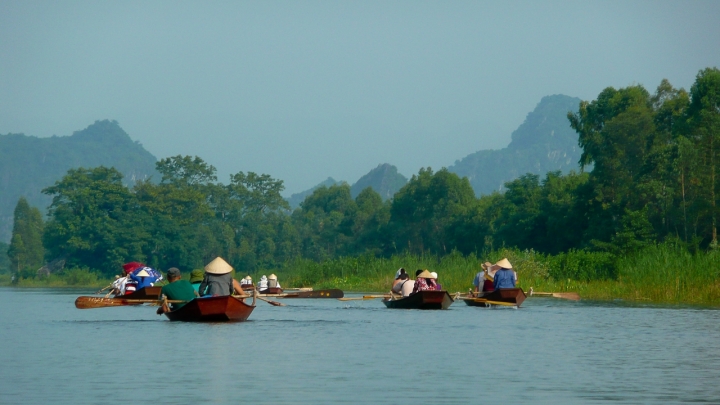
pixel 330 293
pixel 271 291
pixel 502 296
pixel 213 309
pixel 146 293
pixel 247 287
pixel 421 300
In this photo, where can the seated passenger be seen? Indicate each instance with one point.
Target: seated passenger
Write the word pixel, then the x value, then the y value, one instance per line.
pixel 246 281
pixel 424 282
pixel 434 276
pixel 400 272
pixel 407 287
pixel 484 279
pixel 196 277
pixel 262 284
pixel 505 277
pixel 176 289
pixel 398 283
pixel 142 279
pixel 272 282
pixel 218 280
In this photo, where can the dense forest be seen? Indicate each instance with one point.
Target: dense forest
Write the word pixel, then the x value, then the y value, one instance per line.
pixel 653 178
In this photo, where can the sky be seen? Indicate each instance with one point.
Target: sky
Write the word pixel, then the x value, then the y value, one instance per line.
pixel 304 90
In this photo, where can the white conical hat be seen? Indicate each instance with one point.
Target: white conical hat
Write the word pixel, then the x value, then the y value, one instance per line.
pixel 504 263
pixel 248 278
pixel 218 266
pixel 142 273
pixel 272 277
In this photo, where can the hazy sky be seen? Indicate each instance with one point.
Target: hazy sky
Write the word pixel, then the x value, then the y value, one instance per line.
pixel 303 90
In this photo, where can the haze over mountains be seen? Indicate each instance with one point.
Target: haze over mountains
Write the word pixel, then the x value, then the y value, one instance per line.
pixel 543 142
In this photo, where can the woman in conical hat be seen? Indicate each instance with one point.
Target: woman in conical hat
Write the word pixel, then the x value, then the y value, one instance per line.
pixel 424 282
pixel 505 277
pixel 218 280
pixel 142 278
pixel 272 281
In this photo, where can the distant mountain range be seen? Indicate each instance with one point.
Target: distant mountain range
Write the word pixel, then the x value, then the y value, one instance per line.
pixel 543 143
pixel 28 164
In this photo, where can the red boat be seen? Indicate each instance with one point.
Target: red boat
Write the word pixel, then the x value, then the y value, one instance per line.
pixel 514 296
pixel 213 309
pixel 421 300
pixel 147 293
pixel 271 290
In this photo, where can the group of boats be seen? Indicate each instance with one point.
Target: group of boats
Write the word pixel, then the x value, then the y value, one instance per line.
pixel 234 308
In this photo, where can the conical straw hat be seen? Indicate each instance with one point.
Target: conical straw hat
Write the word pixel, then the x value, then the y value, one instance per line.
pixel 248 278
pixel 218 266
pixel 272 277
pixel 504 263
pixel 142 273
pixel 425 274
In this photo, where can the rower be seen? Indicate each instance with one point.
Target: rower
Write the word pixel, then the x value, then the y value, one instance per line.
pixel 196 277
pixel 505 277
pixel 434 276
pixel 484 279
pixel 176 289
pixel 218 280
pixel 263 283
pixel 272 282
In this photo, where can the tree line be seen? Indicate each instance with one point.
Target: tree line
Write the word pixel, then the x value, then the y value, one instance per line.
pixel 648 173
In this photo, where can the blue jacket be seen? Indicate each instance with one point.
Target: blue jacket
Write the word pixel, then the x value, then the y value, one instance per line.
pixel 504 278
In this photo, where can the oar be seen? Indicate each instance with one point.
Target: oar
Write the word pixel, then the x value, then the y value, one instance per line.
pixel 101 290
pixel 364 297
pixel 564 295
pixel 507 304
pixel 274 303
pixel 99 302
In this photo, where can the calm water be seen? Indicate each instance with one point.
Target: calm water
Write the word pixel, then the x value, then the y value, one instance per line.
pixel 327 351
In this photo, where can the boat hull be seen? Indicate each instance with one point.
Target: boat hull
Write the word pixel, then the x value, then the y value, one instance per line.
pixel 514 296
pixel 146 293
pixel 271 291
pixel 422 300
pixel 212 309
pixel 331 293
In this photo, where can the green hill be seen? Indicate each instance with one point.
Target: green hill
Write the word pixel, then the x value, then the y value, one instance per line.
pixel 28 163
pixel 544 142
pixel 384 179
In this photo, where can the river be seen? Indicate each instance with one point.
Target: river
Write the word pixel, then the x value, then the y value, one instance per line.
pixel 550 351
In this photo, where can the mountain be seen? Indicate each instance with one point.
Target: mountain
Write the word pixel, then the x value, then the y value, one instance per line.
pixel 28 163
pixel 384 179
pixel 544 142
pixel 297 198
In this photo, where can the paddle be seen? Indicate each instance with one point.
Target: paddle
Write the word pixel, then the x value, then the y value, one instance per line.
pixel 507 304
pixel 364 297
pixel 100 302
pixel 564 295
pixel 103 289
pixel 274 303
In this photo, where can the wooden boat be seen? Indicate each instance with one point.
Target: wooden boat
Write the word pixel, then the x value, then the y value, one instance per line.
pixel 271 290
pixel 247 287
pixel 213 309
pixel 146 293
pixel 421 300
pixel 330 293
pixel 513 296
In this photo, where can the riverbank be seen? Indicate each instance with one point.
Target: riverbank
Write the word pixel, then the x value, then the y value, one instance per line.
pixel 659 274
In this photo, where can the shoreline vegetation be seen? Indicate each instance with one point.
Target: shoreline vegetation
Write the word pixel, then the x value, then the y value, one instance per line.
pixel 662 274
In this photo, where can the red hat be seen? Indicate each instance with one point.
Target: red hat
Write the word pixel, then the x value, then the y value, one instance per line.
pixel 132 266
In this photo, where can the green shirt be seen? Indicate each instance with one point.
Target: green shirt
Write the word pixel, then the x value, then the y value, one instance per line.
pixel 180 290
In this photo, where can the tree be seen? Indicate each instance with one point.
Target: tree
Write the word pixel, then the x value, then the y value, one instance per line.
pixel 26 250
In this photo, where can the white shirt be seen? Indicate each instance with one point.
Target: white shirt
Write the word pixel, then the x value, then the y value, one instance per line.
pixel 407 287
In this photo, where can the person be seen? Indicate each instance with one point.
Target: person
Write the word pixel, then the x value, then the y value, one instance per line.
pixel 272 282
pixel 142 279
pixel 218 280
pixel 484 279
pixel 262 284
pixel 176 289
pixel 246 281
pixel 400 272
pixel 505 277
pixel 196 277
pixel 434 276
pixel 424 282
pixel 407 287
pixel 399 282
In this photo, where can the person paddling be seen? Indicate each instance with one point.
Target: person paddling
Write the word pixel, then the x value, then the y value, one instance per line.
pixel 176 289
pixel 505 277
pixel 196 277
pixel 218 280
